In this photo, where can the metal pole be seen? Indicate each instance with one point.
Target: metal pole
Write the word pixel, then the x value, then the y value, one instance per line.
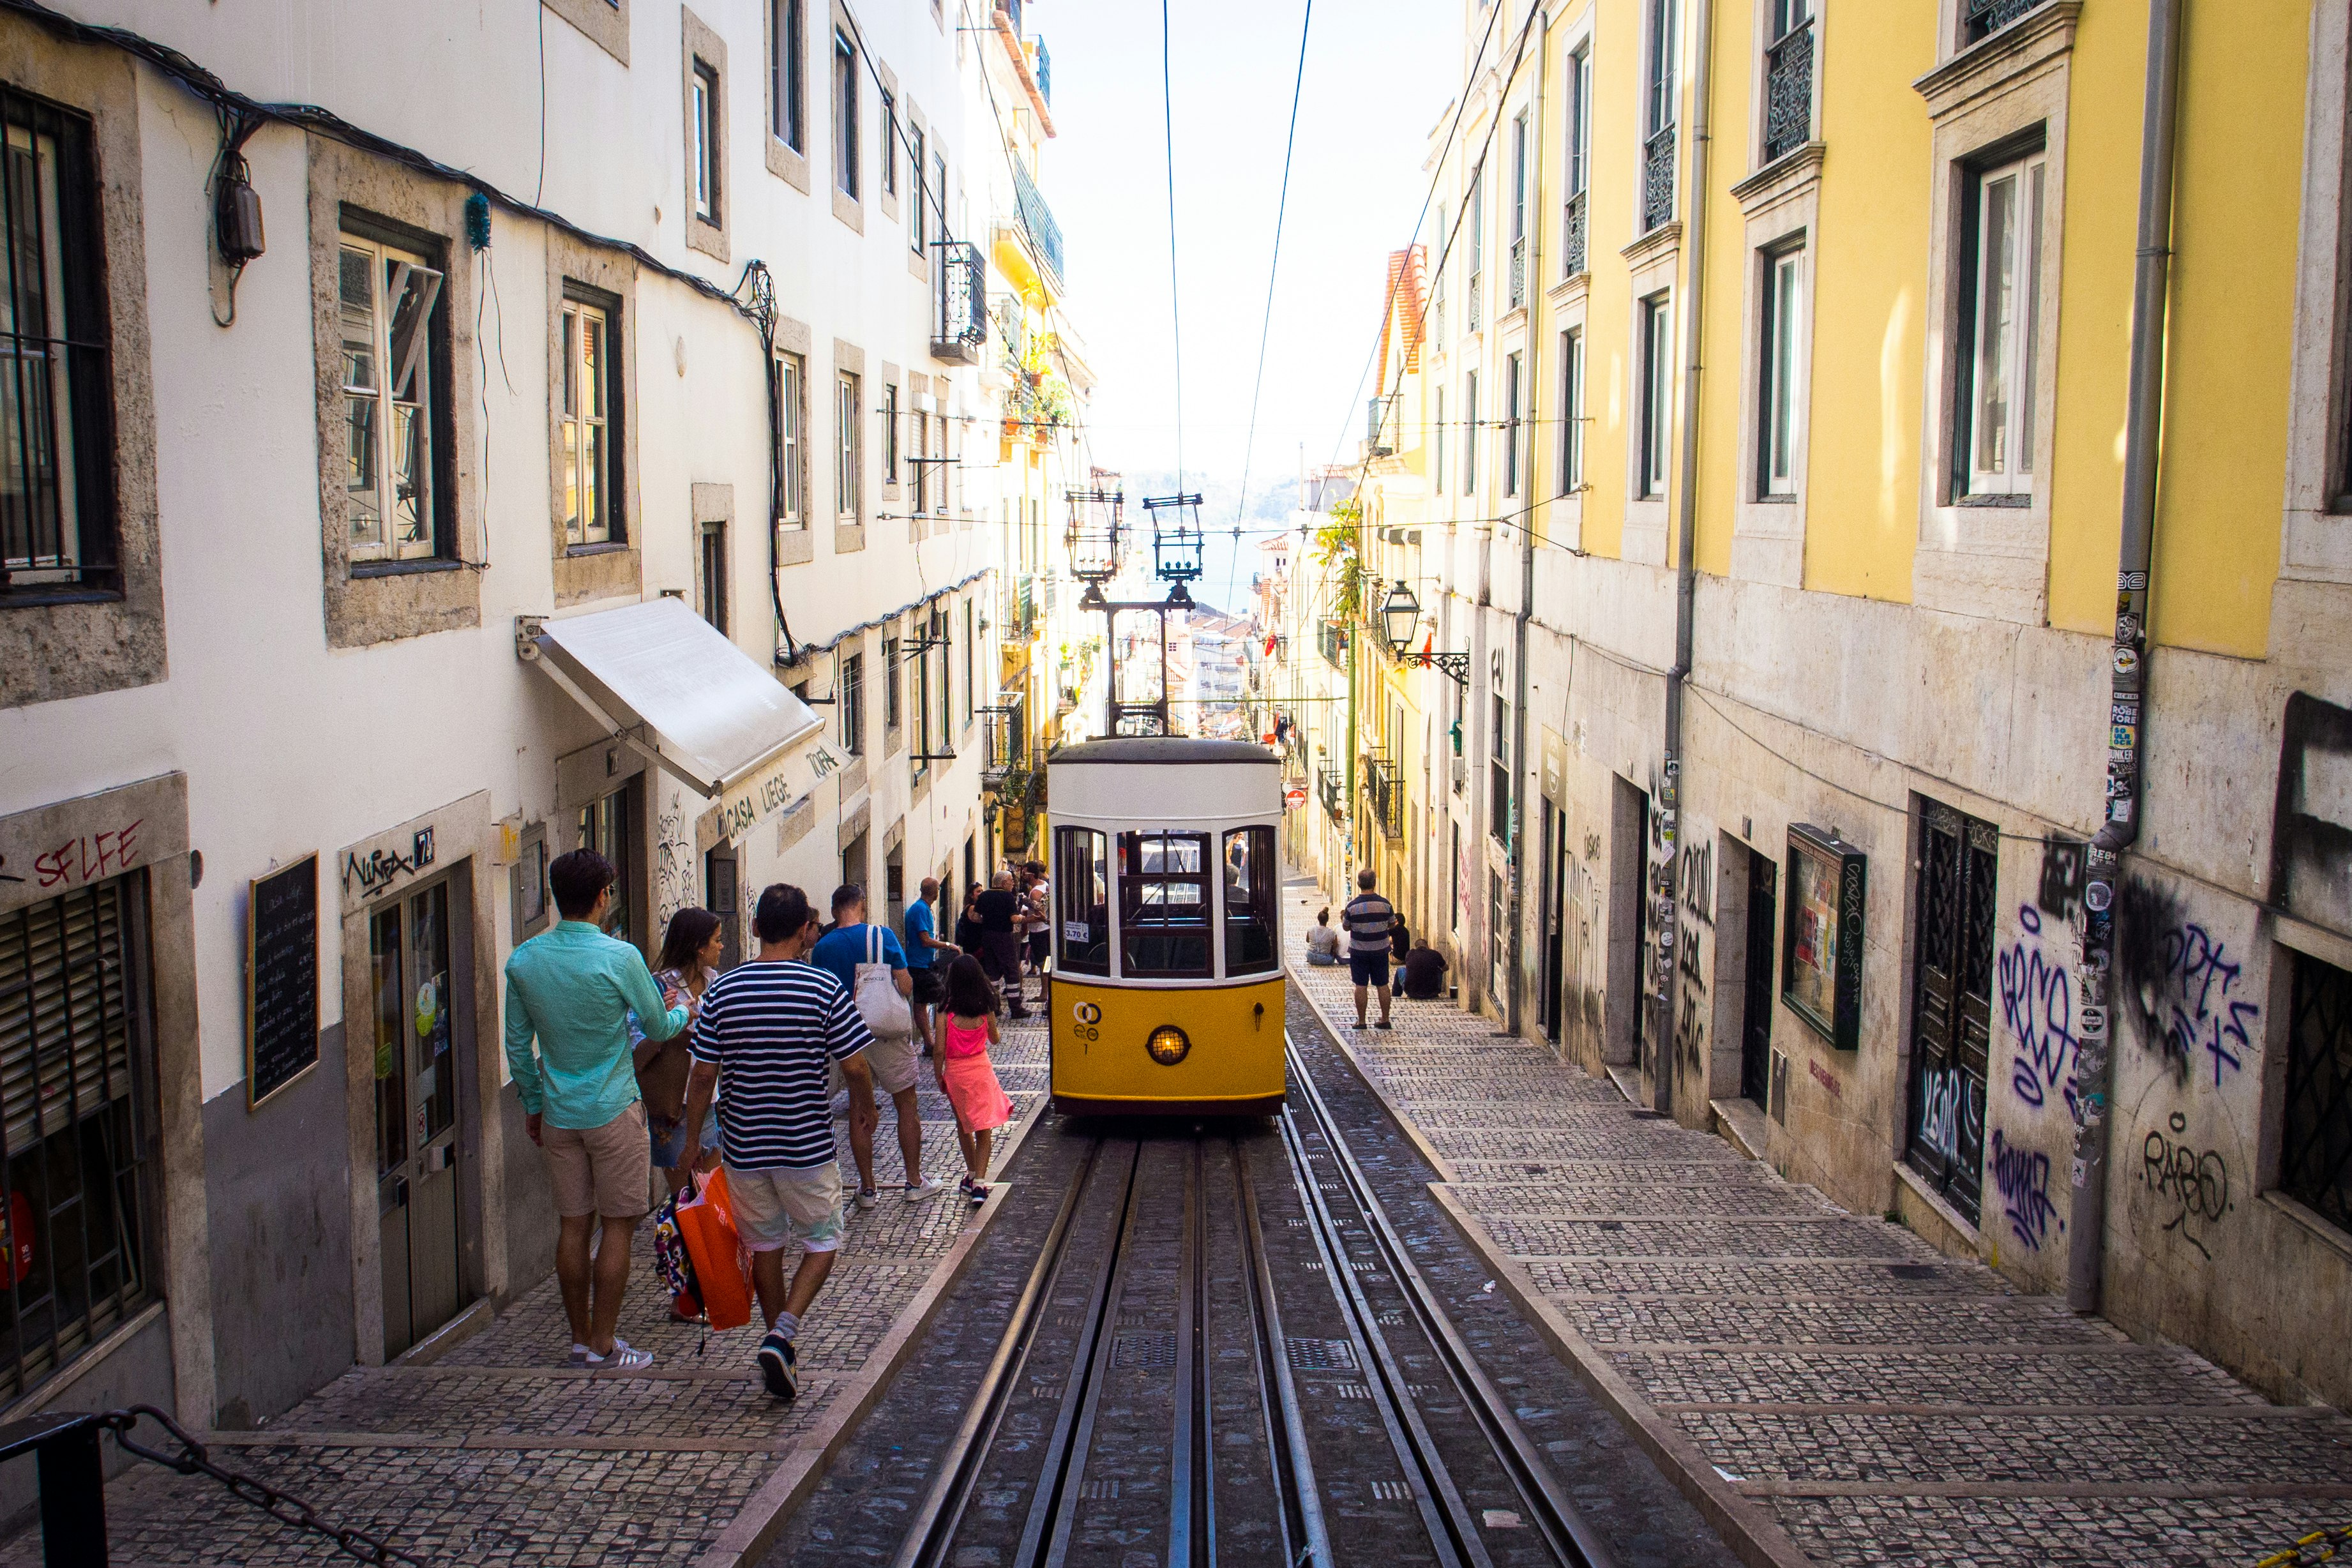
pixel 2143 425
pixel 1531 282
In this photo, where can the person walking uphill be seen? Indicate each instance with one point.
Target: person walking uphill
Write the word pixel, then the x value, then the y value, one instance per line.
pixel 850 948
pixel 927 960
pixel 1368 917
pixel 768 1031
pixel 572 989
pixel 967 1077
pixel 1000 911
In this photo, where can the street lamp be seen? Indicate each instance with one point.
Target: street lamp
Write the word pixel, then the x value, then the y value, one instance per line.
pixel 1399 618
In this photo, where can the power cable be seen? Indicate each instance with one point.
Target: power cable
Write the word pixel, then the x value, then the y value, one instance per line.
pixel 1175 303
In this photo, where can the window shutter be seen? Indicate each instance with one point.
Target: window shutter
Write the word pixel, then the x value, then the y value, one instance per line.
pixel 65 1034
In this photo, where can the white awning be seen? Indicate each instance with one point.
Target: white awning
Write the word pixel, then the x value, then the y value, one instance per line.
pixel 670 684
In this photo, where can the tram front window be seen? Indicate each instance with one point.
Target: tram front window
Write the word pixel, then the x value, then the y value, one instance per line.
pixel 1249 902
pixel 1082 888
pixel 1163 906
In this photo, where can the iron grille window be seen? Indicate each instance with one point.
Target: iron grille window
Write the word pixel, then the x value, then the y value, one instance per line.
pixel 1579 146
pixel 2316 1166
pixel 1572 245
pixel 72 1128
pixel 1658 120
pixel 57 436
pixel 1658 180
pixel 1788 81
pixel 963 314
pixel 1988 17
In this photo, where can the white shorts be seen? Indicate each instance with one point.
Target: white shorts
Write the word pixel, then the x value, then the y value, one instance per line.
pixel 775 1206
pixel 893 1063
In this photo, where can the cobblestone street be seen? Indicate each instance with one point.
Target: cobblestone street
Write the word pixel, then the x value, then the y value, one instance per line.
pixel 496 1451
pixel 1824 1384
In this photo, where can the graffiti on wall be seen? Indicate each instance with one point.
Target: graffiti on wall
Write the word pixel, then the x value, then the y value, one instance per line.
pixel 2206 1015
pixel 2037 1006
pixel 2192 1183
pixel 674 878
pixel 1947 1110
pixel 2022 1177
pixel 1694 873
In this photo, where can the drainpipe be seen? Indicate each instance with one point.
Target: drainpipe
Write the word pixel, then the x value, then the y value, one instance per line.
pixel 1686 531
pixel 1533 283
pixel 2143 430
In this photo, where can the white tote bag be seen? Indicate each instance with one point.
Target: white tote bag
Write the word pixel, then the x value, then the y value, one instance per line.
pixel 877 993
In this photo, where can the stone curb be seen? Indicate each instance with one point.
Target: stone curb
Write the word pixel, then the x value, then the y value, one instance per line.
pixel 1746 1527
pixel 1437 1162
pixel 762 1516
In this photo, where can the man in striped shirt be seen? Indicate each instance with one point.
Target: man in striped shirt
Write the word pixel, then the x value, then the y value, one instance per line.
pixel 1368 918
pixel 767 1032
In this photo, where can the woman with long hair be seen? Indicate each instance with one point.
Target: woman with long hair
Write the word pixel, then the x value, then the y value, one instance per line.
pixel 690 954
pixel 967 1028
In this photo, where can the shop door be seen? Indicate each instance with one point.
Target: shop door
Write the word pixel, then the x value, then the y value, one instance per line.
pixel 417 1069
pixel 1951 1027
pixel 1554 865
pixel 1755 1025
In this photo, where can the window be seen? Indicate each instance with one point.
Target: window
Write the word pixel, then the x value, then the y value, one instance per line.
pixel 1519 211
pixel 917 228
pixel 844 116
pixel 845 464
pixel 891 436
pixel 789 118
pixel 792 482
pixel 1511 367
pixel 1081 894
pixel 2315 1164
pixel 587 410
pixel 1656 415
pixel 389 299
pixel 57 459
pixel 1453 877
pixel 1777 399
pixel 1436 313
pixel 1574 218
pixel 1252 876
pixel 1163 905
pixel 1438 445
pixel 920 471
pixel 706 144
pixel 1571 412
pixel 851 695
pixel 890 719
pixel 1470 433
pixel 1658 120
pixel 1477 249
pixel 1498 766
pixel 1788 78
pixel 2000 289
pixel 938 186
pixel 714 574
pixel 889 146
pixel 970 644
pixel 605 827
pixel 73 1027
pixel 1980 18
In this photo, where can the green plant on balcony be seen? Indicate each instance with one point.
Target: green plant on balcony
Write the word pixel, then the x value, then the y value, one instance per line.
pixel 1038 396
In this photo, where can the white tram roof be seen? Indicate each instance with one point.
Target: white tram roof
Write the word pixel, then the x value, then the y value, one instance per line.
pixel 1170 780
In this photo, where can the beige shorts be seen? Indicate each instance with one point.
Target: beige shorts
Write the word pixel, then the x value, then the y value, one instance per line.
pixel 599 1170
pixel 893 1063
pixel 773 1207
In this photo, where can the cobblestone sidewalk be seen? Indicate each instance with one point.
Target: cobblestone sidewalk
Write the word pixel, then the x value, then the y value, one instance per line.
pixel 498 1452
pixel 1838 1391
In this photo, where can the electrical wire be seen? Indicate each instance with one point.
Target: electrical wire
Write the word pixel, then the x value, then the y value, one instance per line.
pixel 1175 292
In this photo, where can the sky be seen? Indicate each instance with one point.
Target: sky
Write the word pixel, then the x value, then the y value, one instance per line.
pixel 1378 75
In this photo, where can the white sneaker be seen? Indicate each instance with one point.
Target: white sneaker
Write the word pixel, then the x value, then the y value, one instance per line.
pixel 867 1197
pixel 928 1187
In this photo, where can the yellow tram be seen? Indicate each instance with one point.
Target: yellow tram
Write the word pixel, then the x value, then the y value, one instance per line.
pixel 1168 991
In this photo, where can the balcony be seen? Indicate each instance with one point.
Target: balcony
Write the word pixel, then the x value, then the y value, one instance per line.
pixel 1045 236
pixel 1477 304
pixel 1658 180
pixel 1011 11
pixel 1044 73
pixel 1004 739
pixel 1789 92
pixel 1020 608
pixel 1384 794
pixel 1331 640
pixel 1333 790
pixel 1985 17
pixel 1519 274
pixel 1376 419
pixel 1571 244
pixel 961 331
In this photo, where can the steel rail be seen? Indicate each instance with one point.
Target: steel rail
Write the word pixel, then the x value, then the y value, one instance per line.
pixel 1309 1544
pixel 1570 1538
pixel 1192 1455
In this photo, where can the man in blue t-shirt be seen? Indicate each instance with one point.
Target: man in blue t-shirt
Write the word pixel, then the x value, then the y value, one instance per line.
pixel 926 958
pixel 892 1057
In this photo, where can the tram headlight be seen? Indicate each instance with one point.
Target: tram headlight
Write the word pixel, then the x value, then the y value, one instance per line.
pixel 1168 1045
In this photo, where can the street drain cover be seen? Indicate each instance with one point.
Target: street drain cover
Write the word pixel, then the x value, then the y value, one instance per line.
pixel 1143 1349
pixel 1912 1270
pixel 1322 1355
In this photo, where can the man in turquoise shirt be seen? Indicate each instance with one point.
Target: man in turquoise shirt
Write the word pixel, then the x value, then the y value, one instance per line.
pixel 573 988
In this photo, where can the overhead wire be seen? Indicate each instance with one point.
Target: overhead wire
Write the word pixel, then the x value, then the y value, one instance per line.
pixel 1175 291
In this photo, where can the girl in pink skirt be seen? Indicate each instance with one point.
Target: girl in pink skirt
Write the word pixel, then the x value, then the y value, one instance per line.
pixel 967 1028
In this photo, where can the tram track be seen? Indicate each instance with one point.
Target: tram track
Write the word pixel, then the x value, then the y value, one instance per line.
pixel 1142 1394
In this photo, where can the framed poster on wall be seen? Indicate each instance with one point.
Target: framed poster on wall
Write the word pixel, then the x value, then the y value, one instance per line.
pixel 1820 934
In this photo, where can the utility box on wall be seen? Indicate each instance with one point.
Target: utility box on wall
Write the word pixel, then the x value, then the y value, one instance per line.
pixel 1820 934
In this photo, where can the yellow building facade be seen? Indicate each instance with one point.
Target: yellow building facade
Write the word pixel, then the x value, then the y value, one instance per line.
pixel 1754 475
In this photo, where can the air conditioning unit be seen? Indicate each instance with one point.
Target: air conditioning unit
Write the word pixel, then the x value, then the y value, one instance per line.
pixel 1460 772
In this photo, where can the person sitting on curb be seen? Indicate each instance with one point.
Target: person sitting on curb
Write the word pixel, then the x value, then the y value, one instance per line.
pixel 768 1031
pixel 1322 941
pixel 1424 973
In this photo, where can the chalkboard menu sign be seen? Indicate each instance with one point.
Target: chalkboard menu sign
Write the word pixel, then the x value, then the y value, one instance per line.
pixel 281 978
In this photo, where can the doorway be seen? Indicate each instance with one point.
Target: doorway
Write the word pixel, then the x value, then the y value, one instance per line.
pixel 1629 926
pixel 1951 1018
pixel 1756 1017
pixel 1555 919
pixel 424 1041
pixel 720 897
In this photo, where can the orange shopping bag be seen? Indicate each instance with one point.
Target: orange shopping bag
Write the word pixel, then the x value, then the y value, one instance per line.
pixel 707 1227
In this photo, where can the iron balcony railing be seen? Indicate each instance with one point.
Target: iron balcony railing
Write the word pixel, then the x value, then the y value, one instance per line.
pixel 1571 244
pixel 1376 419
pixel 1334 790
pixel 1477 304
pixel 962 327
pixel 1658 179
pixel 1384 794
pixel 1037 221
pixel 1331 640
pixel 1788 91
pixel 1984 18
pixel 1021 607
pixel 1011 11
pixel 1045 74
pixel 1519 273
pixel 1004 741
